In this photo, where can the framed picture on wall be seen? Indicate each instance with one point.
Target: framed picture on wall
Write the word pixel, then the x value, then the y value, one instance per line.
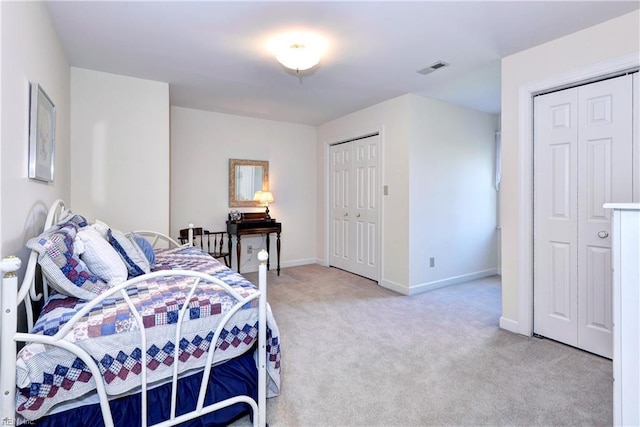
pixel 42 132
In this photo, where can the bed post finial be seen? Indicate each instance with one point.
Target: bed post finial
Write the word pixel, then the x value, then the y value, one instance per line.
pixel 190 234
pixel 9 292
pixel 11 264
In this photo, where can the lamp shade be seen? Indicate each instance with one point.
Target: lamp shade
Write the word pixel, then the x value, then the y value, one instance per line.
pixel 298 51
pixel 264 197
pixel 298 56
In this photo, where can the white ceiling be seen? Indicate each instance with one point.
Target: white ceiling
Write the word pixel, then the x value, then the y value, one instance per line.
pixel 213 54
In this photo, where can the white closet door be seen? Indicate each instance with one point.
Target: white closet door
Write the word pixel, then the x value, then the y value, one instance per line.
pixel 604 175
pixel 366 206
pixel 555 216
pixel 340 199
pixel 355 236
pixel 582 159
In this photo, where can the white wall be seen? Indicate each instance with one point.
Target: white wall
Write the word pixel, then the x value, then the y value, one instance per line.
pixel 438 166
pixel 120 150
pixel 587 48
pixel 201 145
pixel 30 51
pixel 452 194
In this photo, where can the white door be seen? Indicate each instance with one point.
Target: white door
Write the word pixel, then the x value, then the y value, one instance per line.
pixel 555 217
pixel 340 199
pixel 582 159
pixel 354 200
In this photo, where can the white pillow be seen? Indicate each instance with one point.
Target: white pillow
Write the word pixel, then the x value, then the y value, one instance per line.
pixel 100 257
pixel 101 228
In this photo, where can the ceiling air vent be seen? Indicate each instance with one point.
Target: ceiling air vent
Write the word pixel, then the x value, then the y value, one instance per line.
pixel 433 67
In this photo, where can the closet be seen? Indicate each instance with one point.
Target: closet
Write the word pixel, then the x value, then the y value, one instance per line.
pixel 355 206
pixel 583 158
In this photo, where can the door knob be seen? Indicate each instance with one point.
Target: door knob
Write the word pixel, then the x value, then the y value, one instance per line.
pixel 346 214
pixel 603 234
pixel 357 215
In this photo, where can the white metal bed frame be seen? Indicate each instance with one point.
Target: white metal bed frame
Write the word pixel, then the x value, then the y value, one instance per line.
pixel 12 296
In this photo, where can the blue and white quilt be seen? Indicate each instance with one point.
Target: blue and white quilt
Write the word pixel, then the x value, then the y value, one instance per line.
pixel 48 375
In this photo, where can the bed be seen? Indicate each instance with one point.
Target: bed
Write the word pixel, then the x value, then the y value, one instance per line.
pixel 127 339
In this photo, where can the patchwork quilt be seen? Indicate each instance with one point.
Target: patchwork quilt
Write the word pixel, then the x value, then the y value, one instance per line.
pixel 47 375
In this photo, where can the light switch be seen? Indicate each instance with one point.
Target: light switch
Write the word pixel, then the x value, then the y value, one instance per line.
pixel 385 190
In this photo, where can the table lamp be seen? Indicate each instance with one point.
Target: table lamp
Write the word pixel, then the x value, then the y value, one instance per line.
pixel 264 197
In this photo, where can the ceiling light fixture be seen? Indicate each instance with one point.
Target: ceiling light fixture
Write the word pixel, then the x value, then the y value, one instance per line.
pixel 298 51
pixel 298 57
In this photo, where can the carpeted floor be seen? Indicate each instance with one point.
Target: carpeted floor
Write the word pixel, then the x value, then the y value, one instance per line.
pixel 356 354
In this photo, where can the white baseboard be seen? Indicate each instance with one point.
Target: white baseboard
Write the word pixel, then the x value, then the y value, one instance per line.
pixel 396 287
pixel 388 284
pixel 430 286
pixel 252 266
pixel 509 325
pixel 298 262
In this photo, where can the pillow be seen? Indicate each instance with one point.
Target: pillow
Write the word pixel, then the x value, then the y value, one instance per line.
pixel 100 257
pixel 133 257
pixel 68 217
pixel 146 248
pixel 61 265
pixel 101 228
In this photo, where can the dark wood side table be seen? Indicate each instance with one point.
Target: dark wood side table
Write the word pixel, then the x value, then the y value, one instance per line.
pixel 254 223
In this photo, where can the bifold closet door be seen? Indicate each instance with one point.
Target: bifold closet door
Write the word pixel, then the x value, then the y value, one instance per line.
pixel 354 198
pixel 582 159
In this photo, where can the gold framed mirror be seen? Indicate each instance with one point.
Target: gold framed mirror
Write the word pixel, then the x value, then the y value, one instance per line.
pixel 245 178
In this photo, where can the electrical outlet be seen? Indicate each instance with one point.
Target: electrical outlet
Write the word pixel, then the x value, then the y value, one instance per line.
pixel 432 262
pixel 249 250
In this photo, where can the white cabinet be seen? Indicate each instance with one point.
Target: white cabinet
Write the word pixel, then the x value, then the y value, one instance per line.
pixel 626 313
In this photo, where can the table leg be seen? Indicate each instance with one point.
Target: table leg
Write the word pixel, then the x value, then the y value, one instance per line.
pixel 238 251
pixel 268 246
pixel 230 245
pixel 278 251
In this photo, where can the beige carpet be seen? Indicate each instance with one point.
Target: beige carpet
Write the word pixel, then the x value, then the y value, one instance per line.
pixel 356 354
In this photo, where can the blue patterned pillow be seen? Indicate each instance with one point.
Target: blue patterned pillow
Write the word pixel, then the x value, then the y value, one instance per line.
pixel 69 217
pixel 147 249
pixel 131 254
pixel 62 267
